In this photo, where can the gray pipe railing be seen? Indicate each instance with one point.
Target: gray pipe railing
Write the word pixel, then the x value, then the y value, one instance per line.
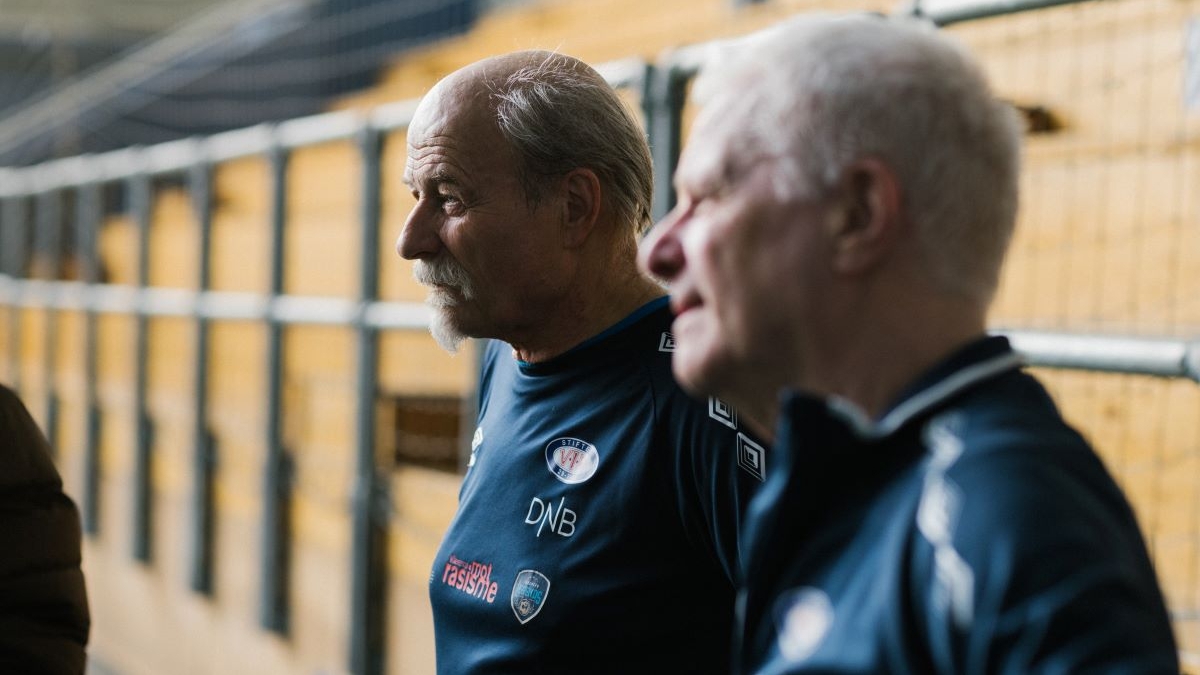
pixel 33 195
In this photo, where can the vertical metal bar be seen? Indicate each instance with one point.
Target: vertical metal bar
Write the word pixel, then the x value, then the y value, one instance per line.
pixel 140 196
pixel 48 216
pixel 15 247
pixel 88 212
pixel 276 560
pixel 663 98
pixel 204 447
pixel 368 563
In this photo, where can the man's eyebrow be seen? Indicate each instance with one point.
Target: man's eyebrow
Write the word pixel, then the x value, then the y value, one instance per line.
pixel 439 177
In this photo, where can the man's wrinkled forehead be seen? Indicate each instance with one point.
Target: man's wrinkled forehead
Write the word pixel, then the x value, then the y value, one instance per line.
pixel 452 101
pixel 453 117
pixel 469 90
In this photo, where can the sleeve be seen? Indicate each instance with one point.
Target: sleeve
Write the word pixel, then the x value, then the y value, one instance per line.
pixel 719 465
pixel 44 619
pixel 1060 578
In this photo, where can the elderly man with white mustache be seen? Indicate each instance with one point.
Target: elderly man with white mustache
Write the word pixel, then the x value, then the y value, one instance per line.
pixel 598 518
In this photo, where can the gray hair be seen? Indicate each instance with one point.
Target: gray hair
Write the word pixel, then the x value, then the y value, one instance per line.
pixel 820 92
pixel 559 114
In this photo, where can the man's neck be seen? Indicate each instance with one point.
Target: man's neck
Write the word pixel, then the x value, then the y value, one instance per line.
pixel 588 311
pixel 872 368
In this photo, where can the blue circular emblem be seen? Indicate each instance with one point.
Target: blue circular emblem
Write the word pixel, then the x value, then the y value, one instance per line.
pixel 572 460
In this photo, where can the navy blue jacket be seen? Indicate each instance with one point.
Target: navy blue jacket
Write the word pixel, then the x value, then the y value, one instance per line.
pixel 970 530
pixel 598 522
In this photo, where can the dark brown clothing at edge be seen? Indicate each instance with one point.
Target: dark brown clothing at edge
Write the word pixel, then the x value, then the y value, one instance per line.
pixel 44 619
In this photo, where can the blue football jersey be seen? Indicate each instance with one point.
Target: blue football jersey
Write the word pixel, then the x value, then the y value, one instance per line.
pixel 598 522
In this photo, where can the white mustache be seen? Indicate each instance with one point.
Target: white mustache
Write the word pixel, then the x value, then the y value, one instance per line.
pixel 444 272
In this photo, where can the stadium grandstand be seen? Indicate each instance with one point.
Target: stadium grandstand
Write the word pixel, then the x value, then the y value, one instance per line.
pixel 201 303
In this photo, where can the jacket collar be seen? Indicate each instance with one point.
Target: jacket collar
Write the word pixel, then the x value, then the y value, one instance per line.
pixel 975 362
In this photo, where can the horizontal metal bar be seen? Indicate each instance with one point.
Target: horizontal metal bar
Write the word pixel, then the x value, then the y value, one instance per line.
pixel 687 60
pixel 173 156
pixel 1154 356
pixel 232 305
pixel 982 9
pixel 299 309
pixel 396 315
pixel 317 129
pixel 217 305
pixel 176 156
pixel 239 143
pixel 35 293
pixel 393 116
pixel 166 302
pixel 1158 357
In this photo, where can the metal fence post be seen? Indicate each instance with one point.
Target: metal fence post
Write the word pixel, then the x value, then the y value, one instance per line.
pixel 368 565
pixel 88 212
pixel 204 448
pixel 663 97
pixel 140 190
pixel 277 477
pixel 47 245
pixel 14 245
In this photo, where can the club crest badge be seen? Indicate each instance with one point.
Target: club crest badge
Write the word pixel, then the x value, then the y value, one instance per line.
pixel 572 460
pixel 529 594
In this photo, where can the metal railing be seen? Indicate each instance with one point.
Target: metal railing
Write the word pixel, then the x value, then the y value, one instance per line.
pixel 41 190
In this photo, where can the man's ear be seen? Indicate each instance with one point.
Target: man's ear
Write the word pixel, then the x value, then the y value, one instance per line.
pixel 869 202
pixel 582 205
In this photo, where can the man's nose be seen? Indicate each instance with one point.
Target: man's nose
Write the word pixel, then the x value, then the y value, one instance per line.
pixel 419 237
pixel 660 253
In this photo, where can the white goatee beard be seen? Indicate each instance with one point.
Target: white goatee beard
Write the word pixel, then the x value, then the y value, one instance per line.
pixel 444 332
pixel 438 273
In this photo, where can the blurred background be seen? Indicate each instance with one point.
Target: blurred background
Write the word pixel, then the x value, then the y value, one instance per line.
pixel 201 304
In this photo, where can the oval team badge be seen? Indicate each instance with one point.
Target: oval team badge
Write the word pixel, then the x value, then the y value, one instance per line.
pixel 529 594
pixel 572 460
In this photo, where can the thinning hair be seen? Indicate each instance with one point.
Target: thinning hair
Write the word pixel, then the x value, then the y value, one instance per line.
pixel 559 114
pixel 822 91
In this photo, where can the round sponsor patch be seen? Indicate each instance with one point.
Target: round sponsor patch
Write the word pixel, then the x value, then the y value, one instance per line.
pixel 572 460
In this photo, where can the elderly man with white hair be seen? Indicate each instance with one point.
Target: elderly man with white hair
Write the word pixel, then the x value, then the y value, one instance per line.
pixel 846 198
